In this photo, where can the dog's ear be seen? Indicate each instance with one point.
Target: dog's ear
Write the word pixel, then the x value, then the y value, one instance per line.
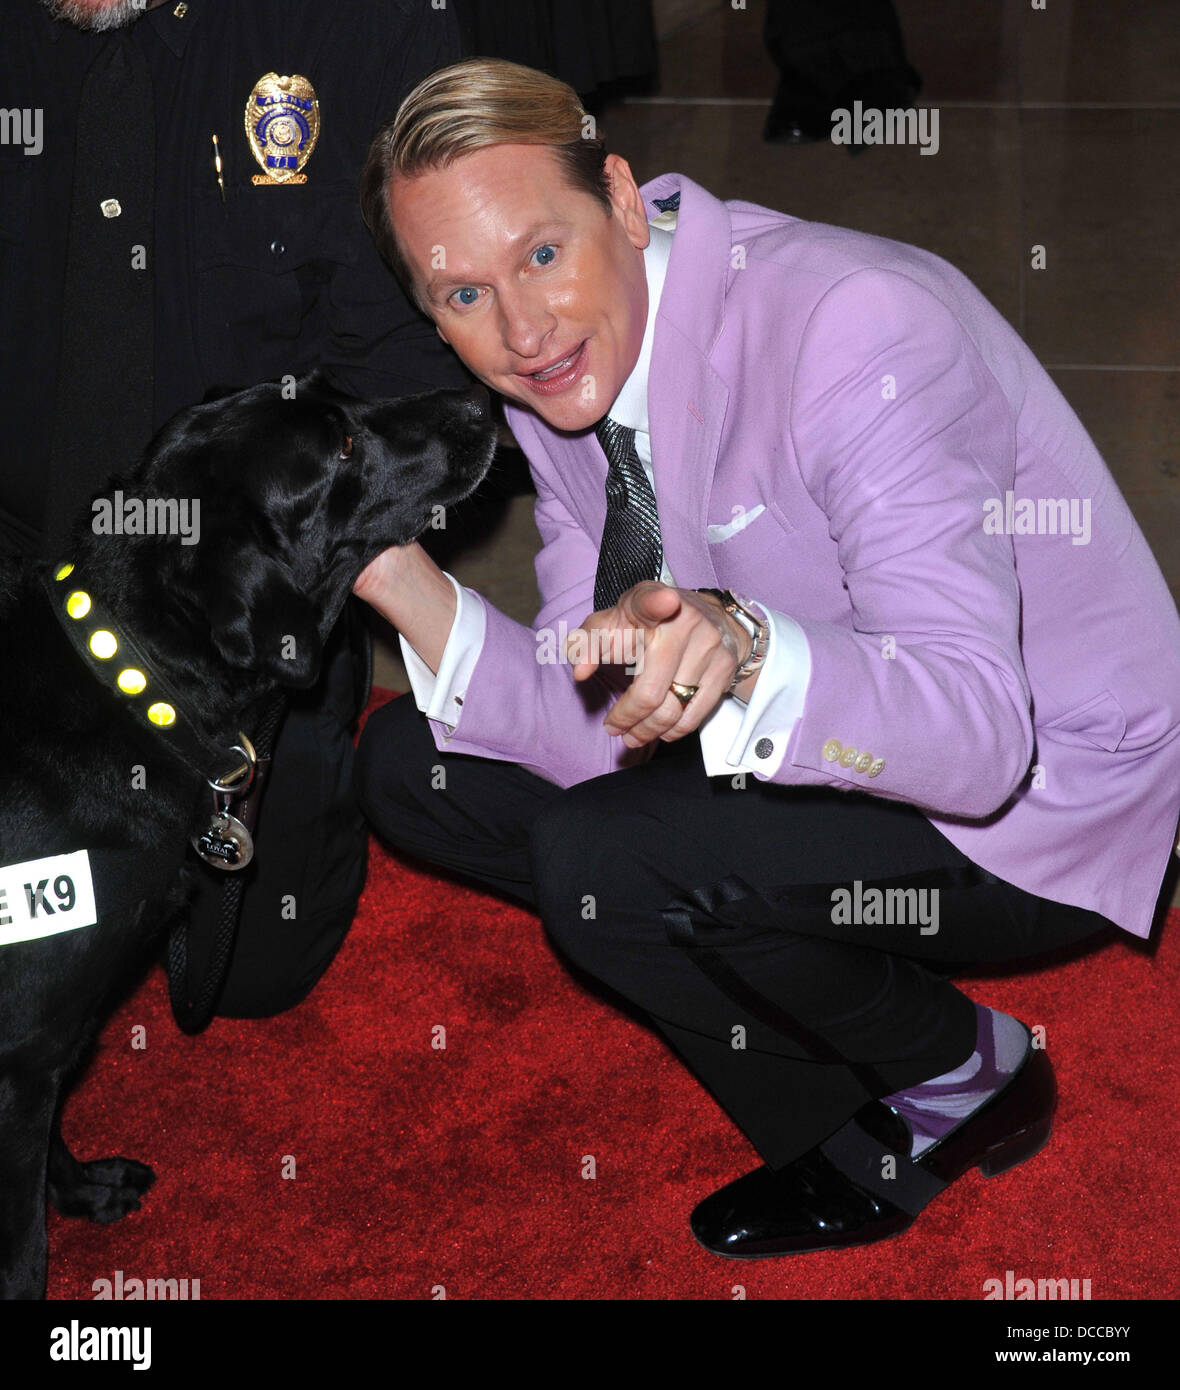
pixel 261 621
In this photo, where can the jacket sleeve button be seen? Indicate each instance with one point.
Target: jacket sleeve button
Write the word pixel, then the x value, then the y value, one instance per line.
pixel 832 750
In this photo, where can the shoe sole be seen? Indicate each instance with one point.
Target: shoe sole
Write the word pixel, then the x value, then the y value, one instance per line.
pixel 885 1231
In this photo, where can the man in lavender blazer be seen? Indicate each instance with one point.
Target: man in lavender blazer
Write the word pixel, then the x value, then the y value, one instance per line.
pixel 933 596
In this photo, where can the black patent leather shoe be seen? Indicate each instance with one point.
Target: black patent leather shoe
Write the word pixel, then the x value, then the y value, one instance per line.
pixel 846 1192
pixel 799 115
pixel 796 123
pixel 809 1205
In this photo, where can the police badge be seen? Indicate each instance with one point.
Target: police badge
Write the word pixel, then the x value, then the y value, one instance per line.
pixel 282 126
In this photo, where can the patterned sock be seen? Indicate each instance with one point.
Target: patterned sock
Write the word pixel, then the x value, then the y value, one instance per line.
pixel 935 1107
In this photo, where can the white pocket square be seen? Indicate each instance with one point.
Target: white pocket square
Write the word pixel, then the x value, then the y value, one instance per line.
pixel 731 528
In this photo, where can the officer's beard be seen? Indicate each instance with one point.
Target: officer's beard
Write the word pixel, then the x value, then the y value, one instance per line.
pixel 98 15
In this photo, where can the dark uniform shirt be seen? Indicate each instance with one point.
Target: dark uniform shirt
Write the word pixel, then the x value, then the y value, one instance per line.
pixel 273 280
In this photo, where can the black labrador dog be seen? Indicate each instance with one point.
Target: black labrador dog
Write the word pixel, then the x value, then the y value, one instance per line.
pixel 129 667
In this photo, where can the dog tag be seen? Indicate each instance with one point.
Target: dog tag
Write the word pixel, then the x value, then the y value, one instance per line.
pixel 226 843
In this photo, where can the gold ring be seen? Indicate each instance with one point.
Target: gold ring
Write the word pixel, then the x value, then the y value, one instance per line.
pixel 683 693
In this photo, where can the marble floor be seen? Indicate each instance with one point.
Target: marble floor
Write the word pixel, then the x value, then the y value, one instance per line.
pixel 1058 127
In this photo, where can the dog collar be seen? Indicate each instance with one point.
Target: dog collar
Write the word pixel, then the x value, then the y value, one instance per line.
pixel 122 666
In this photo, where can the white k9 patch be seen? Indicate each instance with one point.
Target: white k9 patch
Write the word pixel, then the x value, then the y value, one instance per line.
pixel 42 897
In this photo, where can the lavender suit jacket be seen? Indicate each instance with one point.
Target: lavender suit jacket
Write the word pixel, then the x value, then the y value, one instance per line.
pixel 1022 690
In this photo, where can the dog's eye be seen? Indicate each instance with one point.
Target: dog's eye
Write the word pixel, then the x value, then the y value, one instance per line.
pixel 346 452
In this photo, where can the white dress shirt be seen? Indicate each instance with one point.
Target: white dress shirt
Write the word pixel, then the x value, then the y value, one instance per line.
pixel 734 730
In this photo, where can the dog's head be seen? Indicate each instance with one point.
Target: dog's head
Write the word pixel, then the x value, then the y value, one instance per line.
pixel 299 488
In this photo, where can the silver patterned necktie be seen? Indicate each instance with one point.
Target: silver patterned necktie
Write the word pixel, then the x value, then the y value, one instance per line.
pixel 631 548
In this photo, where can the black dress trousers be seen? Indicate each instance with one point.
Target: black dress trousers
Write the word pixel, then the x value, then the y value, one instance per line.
pixel 708 904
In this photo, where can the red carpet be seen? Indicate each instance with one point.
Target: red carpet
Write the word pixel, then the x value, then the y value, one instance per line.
pixel 417 1167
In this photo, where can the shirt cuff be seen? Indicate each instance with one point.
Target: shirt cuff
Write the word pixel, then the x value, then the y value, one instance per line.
pixel 440 697
pixel 753 737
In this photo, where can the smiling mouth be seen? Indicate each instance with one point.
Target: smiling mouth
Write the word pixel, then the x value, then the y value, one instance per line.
pixel 559 374
pixel 556 369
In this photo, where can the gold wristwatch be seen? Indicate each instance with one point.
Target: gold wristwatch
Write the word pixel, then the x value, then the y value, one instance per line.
pixel 759 629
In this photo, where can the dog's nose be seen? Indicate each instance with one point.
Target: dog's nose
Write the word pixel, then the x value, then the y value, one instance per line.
pixel 479 403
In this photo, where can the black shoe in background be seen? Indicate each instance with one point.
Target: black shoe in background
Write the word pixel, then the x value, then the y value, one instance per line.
pixel 799 115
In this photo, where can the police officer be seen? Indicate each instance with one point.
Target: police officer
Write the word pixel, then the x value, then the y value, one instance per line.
pixel 178 214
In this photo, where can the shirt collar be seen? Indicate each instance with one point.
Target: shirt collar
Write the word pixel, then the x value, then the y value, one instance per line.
pixel 630 405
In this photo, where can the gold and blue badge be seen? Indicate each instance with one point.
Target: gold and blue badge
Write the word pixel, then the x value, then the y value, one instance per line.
pixel 282 126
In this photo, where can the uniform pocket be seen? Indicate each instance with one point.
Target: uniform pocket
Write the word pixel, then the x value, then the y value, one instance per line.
pixel 264 264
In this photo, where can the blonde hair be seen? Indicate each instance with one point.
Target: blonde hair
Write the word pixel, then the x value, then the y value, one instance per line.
pixel 470 106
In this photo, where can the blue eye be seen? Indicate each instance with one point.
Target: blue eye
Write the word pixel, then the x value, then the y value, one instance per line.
pixel 545 254
pixel 467 290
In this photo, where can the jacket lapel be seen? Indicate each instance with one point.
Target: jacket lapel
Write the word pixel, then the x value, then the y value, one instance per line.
pixel 686 411
pixel 686 398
